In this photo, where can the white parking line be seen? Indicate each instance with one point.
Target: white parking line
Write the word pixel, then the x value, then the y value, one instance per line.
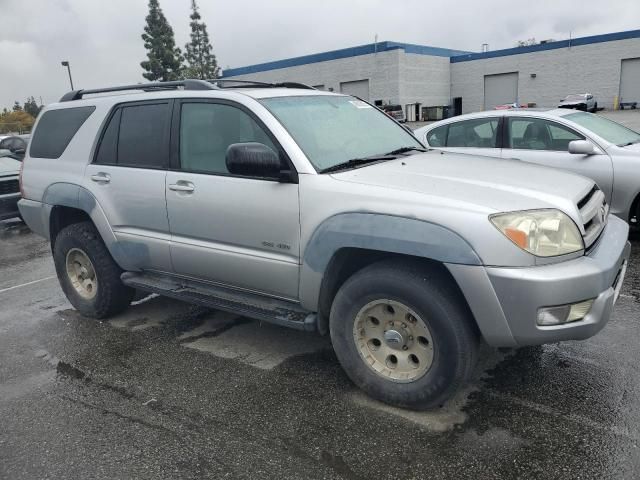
pixel 27 284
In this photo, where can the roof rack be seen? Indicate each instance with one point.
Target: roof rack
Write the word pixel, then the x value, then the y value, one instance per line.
pixel 147 87
pixel 191 84
pixel 220 82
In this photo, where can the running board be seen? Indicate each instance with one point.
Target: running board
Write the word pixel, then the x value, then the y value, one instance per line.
pixel 272 310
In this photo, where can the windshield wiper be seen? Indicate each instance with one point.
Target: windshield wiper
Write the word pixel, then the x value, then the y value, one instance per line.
pixel 400 150
pixel 629 143
pixel 354 162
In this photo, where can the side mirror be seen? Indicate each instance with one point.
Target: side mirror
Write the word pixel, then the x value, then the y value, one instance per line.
pixel 253 159
pixel 18 154
pixel 581 147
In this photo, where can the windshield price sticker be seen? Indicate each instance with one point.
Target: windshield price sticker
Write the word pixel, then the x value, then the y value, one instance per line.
pixel 359 104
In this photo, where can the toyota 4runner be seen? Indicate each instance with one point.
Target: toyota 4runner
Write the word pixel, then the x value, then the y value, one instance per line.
pixel 317 211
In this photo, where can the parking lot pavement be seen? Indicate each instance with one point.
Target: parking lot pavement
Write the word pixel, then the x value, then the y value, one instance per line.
pixel 169 390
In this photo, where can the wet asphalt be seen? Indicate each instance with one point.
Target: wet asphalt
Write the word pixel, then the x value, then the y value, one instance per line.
pixel 168 390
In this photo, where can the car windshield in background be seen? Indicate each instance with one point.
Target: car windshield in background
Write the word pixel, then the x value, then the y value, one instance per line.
pixel 574 98
pixel 609 130
pixel 332 130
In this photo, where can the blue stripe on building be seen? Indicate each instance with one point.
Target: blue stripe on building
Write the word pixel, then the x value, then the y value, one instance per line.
pixel 343 53
pixel 575 42
pixel 454 55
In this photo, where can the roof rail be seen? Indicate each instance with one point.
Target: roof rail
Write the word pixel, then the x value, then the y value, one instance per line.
pixel 147 87
pixel 220 82
pixel 191 84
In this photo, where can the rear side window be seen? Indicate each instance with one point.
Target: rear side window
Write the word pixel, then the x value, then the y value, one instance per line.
pixel 55 130
pixel 477 133
pixel 136 136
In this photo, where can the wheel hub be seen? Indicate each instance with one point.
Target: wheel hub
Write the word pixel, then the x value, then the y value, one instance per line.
pixel 393 340
pixel 81 273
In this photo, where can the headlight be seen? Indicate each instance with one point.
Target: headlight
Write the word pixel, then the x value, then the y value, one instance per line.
pixel 544 233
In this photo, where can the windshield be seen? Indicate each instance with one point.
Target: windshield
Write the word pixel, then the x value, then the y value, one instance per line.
pixel 335 129
pixel 609 130
pixel 574 97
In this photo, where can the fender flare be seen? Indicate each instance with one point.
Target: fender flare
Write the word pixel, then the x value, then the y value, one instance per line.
pixel 378 232
pixel 74 196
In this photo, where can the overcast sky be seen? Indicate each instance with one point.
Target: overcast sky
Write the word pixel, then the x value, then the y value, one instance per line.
pixel 102 40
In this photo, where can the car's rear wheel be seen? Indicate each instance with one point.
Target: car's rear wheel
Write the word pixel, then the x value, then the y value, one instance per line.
pixel 403 334
pixel 88 275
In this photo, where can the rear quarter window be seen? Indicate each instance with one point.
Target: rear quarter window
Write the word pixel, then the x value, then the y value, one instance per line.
pixel 55 130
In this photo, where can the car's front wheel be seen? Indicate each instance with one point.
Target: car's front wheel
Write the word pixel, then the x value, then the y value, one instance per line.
pixel 88 275
pixel 403 334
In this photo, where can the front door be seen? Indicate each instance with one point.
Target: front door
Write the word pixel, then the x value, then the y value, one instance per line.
pixel 232 230
pixel 127 179
pixel 546 142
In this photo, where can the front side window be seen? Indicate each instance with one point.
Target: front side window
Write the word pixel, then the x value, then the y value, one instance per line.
pixel 334 129
pixel 477 133
pixel 539 134
pixel 207 130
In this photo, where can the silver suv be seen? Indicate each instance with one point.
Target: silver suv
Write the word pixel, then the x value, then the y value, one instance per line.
pixel 317 211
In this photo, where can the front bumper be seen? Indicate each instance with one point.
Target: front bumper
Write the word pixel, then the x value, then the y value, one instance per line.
pixel 9 206
pixel 505 301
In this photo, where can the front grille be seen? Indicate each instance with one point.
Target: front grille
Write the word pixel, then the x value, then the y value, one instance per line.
pixel 9 186
pixel 593 211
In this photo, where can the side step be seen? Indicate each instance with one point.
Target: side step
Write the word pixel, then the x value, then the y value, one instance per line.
pixel 272 310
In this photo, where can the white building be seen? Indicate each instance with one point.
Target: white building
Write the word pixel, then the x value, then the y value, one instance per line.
pixel 417 76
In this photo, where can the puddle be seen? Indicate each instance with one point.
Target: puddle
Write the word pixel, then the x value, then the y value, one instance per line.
pixel 453 412
pixel 262 346
pixel 149 312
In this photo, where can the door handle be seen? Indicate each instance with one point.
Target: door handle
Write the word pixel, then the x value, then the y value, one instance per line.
pixel 186 187
pixel 101 177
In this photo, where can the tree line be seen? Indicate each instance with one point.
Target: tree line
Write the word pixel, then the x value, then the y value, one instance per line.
pixel 20 118
pixel 165 61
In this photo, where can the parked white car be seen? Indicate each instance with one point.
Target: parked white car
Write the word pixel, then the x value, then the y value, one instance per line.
pixel 588 144
pixel 580 101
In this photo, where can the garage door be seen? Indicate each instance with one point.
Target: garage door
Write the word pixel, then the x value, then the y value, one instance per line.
pixel 359 88
pixel 500 89
pixel 630 80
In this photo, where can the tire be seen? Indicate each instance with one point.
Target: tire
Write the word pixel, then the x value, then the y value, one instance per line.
pixel 595 107
pixel 433 298
pixel 107 295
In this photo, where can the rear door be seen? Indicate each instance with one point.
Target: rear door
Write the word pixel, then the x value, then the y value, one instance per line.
pixel 237 231
pixel 127 178
pixel 478 136
pixel 545 142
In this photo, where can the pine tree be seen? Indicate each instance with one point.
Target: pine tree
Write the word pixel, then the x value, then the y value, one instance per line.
pixel 31 107
pixel 164 58
pixel 201 62
pixel 17 107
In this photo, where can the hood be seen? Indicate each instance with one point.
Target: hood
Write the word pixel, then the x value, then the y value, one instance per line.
pixel 572 102
pixel 9 166
pixel 494 184
pixel 629 149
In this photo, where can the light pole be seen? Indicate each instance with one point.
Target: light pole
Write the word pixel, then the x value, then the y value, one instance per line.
pixel 65 63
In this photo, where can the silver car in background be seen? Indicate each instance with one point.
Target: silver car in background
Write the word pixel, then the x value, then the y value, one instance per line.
pixel 581 142
pixel 580 101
